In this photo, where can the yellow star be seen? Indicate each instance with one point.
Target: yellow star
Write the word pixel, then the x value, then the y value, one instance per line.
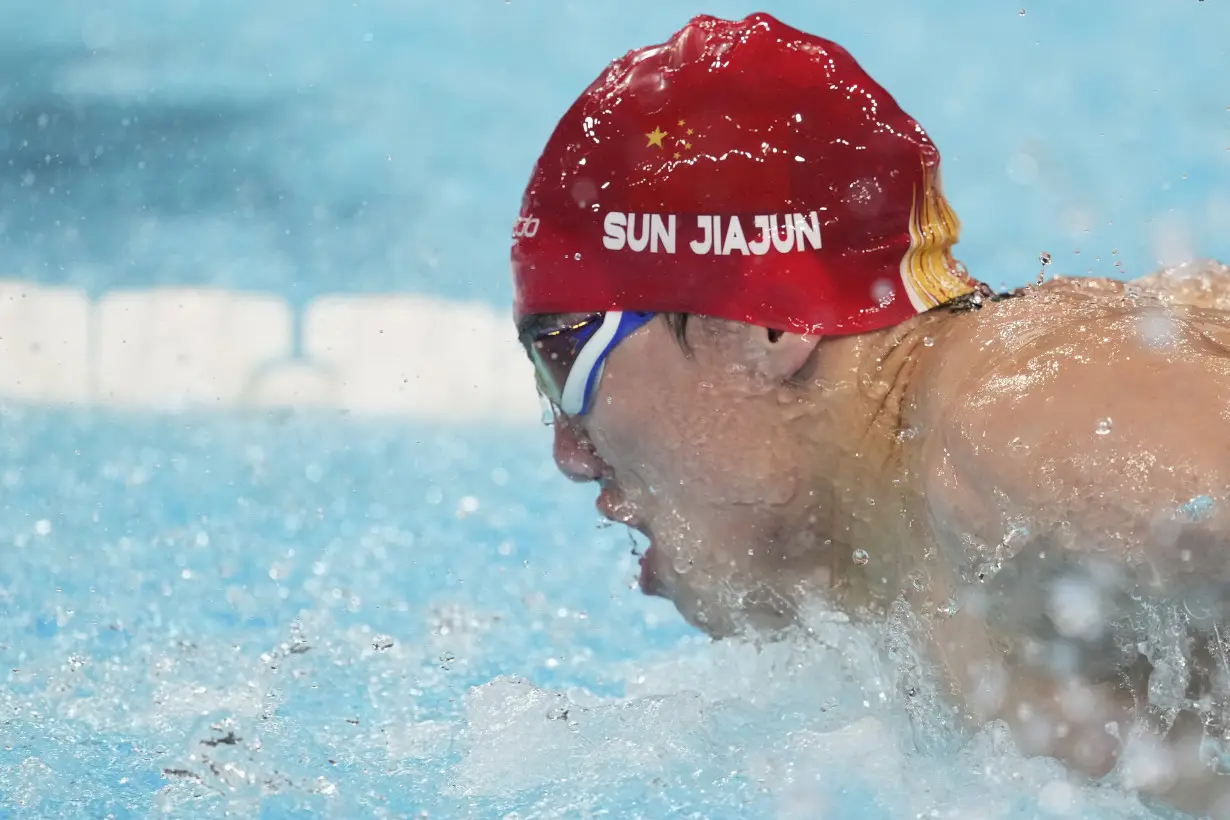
pixel 676 155
pixel 681 124
pixel 687 145
pixel 690 131
pixel 655 137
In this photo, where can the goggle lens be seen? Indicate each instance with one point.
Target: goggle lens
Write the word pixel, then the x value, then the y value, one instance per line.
pixel 568 360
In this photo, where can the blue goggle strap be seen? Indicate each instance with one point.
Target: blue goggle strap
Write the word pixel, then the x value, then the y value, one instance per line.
pixel 579 389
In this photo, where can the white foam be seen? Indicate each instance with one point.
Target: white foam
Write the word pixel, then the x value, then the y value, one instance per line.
pixel 775 731
pixel 168 349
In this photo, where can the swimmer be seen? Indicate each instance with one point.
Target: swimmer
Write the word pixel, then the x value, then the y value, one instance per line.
pixel 734 274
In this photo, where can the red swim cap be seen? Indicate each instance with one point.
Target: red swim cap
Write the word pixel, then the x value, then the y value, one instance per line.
pixel 744 170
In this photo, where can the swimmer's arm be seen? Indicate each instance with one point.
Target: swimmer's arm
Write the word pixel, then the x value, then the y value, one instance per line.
pixel 1099 440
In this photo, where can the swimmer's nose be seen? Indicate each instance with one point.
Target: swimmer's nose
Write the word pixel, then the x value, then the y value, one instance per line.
pixel 574 452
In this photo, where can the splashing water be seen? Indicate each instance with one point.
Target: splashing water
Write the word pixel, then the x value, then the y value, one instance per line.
pixel 381 665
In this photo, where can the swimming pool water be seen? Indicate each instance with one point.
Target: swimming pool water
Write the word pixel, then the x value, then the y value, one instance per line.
pixel 328 591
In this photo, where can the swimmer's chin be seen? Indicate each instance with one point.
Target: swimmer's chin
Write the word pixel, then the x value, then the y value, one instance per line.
pixel 756 626
pixel 659 580
pixel 757 614
pixel 719 609
pixel 650 580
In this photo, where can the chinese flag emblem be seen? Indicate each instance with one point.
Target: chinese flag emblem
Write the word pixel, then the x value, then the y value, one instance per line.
pixel 712 163
pixel 676 144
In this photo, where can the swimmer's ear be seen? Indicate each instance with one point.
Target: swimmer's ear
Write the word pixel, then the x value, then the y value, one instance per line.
pixel 778 354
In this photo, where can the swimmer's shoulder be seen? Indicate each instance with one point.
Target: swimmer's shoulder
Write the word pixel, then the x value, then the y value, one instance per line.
pixel 1087 384
pixel 1091 331
pixel 1066 312
pixel 967 344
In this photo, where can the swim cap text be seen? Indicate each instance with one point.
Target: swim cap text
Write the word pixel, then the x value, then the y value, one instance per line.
pixel 714 235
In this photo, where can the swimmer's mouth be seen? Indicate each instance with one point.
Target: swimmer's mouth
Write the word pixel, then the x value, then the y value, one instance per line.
pixel 614 509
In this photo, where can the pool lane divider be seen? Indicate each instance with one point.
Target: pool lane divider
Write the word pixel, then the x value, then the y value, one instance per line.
pixel 175 349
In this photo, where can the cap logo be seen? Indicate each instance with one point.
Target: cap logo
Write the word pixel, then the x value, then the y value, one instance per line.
pixel 526 226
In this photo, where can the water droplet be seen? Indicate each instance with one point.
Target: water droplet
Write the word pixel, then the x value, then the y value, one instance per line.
pixel 548 412
pixel 604 523
pixel 988 569
pixel 382 642
pixel 949 607
pixel 577 257
pixel 1045 259
pixel 1197 508
pixel 861 557
pixel 1104 427
pixel 928 341
pixel 1021 13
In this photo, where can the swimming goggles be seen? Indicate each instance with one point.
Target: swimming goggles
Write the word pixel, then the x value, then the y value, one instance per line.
pixel 569 360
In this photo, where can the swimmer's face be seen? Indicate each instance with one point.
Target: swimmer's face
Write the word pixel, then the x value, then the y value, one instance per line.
pixel 694 452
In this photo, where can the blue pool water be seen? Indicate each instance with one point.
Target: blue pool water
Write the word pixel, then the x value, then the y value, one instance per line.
pixel 313 614
pixel 327 591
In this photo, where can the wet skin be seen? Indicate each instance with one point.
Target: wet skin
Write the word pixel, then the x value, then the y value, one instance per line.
pixel 1001 470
